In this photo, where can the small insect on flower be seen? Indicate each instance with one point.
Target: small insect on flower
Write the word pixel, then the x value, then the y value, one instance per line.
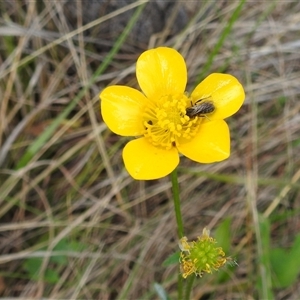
pixel 200 108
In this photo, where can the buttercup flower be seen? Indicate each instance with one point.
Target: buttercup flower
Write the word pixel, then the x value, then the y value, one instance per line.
pixel 200 256
pixel 168 121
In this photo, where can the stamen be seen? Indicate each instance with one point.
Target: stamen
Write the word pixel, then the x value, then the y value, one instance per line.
pixel 166 121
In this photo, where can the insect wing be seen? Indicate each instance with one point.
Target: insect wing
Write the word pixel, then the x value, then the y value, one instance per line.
pixel 204 107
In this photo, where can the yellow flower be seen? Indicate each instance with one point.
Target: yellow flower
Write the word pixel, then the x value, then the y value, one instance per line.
pixel 159 117
pixel 200 256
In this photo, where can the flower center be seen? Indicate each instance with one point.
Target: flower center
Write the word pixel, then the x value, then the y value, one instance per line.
pixel 166 123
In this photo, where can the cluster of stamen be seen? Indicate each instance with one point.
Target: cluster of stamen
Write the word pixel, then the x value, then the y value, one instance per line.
pixel 201 256
pixel 166 123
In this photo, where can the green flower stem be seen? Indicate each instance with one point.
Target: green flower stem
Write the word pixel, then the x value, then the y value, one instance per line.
pixel 180 286
pixel 189 286
pixel 175 189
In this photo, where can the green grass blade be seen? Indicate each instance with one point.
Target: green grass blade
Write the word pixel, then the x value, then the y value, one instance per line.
pixel 265 281
pixel 220 42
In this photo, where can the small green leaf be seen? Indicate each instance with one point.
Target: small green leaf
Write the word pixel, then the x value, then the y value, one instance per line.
pixel 223 235
pixel 172 259
pixel 286 265
pixel 32 266
pixel 51 276
pixel 296 248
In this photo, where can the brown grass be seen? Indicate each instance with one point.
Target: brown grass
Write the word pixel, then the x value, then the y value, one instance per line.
pixel 74 201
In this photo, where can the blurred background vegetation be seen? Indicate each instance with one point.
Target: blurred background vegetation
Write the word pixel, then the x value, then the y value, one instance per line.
pixel 73 223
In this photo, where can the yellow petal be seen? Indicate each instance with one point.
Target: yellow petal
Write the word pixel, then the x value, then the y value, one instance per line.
pixel 224 90
pixel 211 144
pixel 161 71
pixel 122 108
pixel 143 161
